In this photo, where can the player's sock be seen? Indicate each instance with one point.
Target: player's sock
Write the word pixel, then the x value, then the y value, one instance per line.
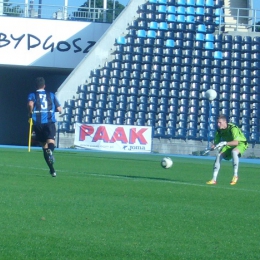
pixel 235 162
pixel 216 167
pixel 51 146
pixel 46 157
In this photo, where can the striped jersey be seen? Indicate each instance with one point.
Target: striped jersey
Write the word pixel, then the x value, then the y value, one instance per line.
pixel 45 106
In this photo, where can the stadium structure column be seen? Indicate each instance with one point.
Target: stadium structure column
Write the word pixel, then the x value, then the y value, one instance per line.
pixel 65 9
pixel 105 10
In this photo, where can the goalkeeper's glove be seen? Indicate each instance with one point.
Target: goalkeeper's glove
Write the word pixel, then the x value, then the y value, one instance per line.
pixel 221 144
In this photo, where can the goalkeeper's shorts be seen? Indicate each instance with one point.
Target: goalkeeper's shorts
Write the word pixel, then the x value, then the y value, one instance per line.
pixel 227 150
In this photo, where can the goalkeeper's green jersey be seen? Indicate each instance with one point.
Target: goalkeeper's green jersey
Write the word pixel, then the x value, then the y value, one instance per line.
pixel 231 133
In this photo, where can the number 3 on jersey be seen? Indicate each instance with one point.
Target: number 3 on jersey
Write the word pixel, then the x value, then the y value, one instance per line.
pixel 43 101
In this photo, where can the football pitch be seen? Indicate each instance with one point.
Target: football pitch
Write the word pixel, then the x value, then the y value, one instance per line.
pixel 126 206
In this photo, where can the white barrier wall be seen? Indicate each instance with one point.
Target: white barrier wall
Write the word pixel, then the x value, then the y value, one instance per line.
pixel 46 43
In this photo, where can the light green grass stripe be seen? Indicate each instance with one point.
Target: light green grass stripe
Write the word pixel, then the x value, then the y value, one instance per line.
pixel 133 178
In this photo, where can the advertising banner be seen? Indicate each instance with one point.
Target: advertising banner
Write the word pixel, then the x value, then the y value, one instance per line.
pixel 47 43
pixel 120 138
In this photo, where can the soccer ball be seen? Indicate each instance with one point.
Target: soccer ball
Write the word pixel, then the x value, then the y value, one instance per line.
pixel 211 94
pixel 166 162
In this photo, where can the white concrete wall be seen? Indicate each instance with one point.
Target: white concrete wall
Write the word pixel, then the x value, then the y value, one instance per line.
pixel 46 43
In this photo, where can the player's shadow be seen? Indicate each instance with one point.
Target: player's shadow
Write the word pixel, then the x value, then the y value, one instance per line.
pixel 145 178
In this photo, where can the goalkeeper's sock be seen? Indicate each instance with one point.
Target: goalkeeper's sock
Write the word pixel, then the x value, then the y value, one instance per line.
pixel 235 162
pixel 46 157
pixel 217 167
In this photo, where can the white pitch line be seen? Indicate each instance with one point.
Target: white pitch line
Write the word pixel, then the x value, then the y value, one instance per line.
pixel 139 179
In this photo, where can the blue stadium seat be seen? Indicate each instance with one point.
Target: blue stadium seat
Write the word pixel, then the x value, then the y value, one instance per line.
pixel 163 26
pixel 65 127
pixel 186 69
pixel 208 11
pixel 190 2
pixel 226 64
pixel 153 25
pixel 190 10
pixel 255 65
pixel 255 47
pixel 209 3
pixel 181 18
pixel 141 33
pixel 162 9
pixel 198 45
pixel 238 56
pixel 121 40
pixel 256 73
pixel 164 2
pixel 190 27
pixel 181 26
pixel 161 123
pixel 217 63
pixel 129 121
pixel 141 115
pixel 170 132
pixel 200 3
pixel 159 132
pixel 206 62
pixel 254 137
pixel 254 56
pixel 209 37
pixel 247 56
pixel 171 9
pixel 234 112
pixel 200 11
pixel 187 61
pixel 202 134
pixel 171 18
pixel 180 2
pixel 192 134
pixel 218 55
pixel 208 19
pixel 151 34
pixel 236 64
pixel 140 122
pixel 181 133
pixel 208 54
pixel 227 55
pixel 190 19
pixel 209 45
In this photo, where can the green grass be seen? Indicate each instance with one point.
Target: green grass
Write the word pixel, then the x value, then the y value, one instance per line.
pixel 125 206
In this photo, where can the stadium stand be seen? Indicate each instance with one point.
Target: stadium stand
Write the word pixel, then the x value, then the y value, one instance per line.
pixel 161 69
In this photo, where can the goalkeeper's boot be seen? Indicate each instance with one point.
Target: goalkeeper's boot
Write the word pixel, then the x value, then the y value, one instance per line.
pixel 51 157
pixel 234 180
pixel 211 182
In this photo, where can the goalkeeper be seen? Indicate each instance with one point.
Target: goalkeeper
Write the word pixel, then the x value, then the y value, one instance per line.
pixel 231 143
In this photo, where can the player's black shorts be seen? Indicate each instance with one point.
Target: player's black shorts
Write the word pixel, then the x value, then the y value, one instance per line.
pixel 44 132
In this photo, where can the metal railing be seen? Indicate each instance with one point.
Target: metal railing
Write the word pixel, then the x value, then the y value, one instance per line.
pixel 58 12
pixel 239 19
pixel 235 19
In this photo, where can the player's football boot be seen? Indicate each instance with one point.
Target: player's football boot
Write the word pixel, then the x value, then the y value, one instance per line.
pixel 211 182
pixel 234 180
pixel 53 174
